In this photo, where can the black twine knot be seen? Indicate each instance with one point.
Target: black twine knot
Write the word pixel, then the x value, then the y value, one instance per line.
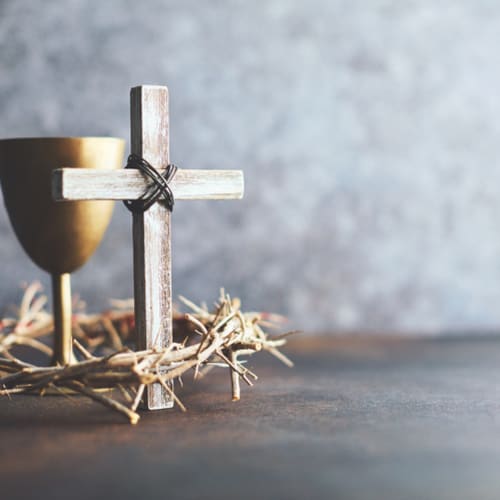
pixel 157 190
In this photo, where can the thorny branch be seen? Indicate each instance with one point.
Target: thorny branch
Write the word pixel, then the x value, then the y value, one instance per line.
pixel 203 339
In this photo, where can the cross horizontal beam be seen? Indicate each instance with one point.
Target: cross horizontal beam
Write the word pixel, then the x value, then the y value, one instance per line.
pixel 128 184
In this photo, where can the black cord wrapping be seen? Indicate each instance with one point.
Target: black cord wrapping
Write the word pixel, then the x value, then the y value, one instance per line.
pixel 158 189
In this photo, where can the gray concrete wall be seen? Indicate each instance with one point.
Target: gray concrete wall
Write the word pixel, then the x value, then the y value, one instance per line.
pixel 368 132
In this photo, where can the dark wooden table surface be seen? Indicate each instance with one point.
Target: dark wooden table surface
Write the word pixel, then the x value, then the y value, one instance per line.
pixel 356 419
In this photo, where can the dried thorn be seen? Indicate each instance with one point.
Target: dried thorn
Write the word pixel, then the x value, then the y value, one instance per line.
pixel 59 390
pixel 191 305
pixel 235 379
pixel 196 372
pixel 86 354
pixel 284 335
pixel 234 367
pixel 172 394
pixel 279 355
pixel 196 322
pixel 125 393
pixel 109 402
pixel 138 397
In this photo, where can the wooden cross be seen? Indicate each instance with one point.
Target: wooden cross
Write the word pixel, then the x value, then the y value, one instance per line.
pixel 151 229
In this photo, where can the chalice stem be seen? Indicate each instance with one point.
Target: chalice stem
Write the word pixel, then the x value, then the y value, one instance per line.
pixel 61 299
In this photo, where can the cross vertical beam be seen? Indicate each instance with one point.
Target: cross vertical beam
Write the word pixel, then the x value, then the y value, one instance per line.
pixel 151 230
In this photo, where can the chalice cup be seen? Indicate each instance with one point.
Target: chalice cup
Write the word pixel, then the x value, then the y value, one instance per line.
pixel 58 237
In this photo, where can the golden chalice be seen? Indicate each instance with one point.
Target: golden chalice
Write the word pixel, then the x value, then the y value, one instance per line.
pixel 59 237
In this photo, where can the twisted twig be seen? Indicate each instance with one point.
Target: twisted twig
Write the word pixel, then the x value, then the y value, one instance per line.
pixel 212 338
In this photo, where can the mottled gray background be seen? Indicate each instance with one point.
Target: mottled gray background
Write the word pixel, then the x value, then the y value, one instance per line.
pixel 368 131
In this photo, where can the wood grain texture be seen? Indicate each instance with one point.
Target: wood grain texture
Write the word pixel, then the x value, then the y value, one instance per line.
pixel 127 184
pixel 151 231
pixel 357 418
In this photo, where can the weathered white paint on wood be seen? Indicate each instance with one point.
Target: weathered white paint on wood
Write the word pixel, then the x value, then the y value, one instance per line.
pixel 88 184
pixel 151 229
pixel 151 232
